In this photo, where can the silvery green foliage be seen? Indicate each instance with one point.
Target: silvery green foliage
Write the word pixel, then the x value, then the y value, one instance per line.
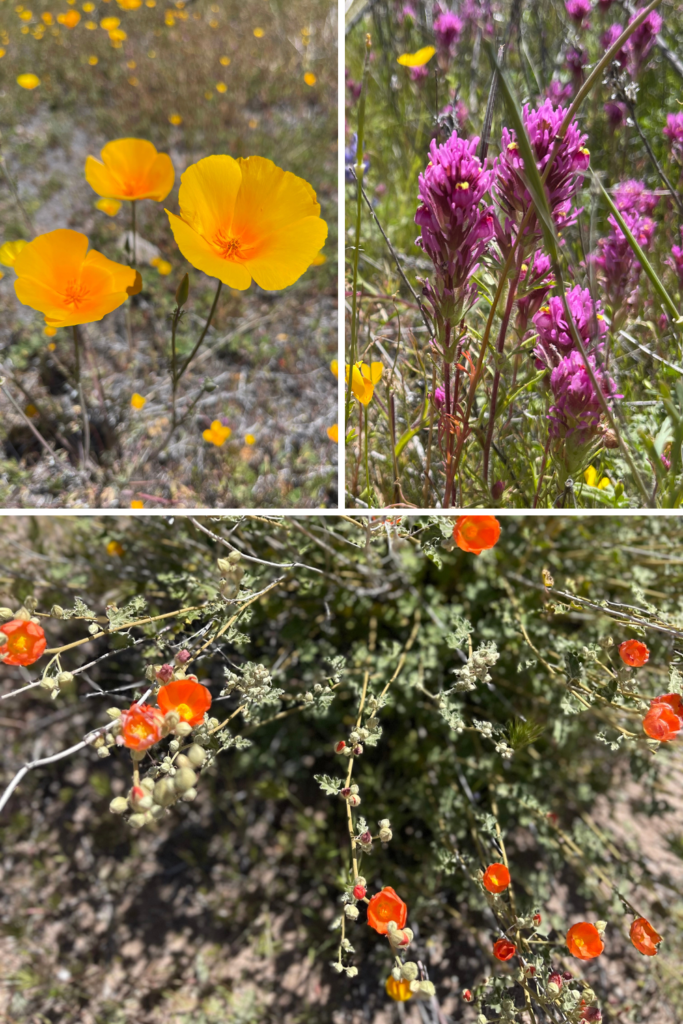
pixel 329 785
pixel 476 669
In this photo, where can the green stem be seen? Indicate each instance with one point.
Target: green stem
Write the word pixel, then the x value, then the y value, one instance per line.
pixel 194 351
pixel 359 211
pixel 367 469
pixel 174 362
pixel 132 207
pixel 84 411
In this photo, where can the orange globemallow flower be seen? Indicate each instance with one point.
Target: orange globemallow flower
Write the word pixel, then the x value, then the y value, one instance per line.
pixel 186 696
pixel 664 720
pixel 399 991
pixel 496 878
pixel 130 169
pixel 141 726
pixel 247 219
pixel 644 937
pixel 56 277
pixel 634 653
pixel 386 906
pixel 25 642
pixel 476 533
pixel 584 941
pixel 503 949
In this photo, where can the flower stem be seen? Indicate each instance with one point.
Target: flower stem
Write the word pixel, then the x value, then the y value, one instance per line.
pixel 367 470
pixel 84 410
pixel 359 211
pixel 132 209
pixel 194 351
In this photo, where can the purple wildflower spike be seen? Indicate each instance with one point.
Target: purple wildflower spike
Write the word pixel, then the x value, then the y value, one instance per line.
pixel 632 197
pixel 555 340
pixel 642 40
pixel 578 11
pixel 674 132
pixel 447 29
pixel 609 38
pixel 576 410
pixel 620 271
pixel 534 285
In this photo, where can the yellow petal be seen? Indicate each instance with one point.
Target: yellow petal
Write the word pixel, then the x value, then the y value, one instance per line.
pixel 334 366
pixel 130 169
pixel 605 482
pixel 418 59
pixel 137 401
pixel 201 255
pixel 28 81
pixel 10 250
pixel 207 195
pixel 375 372
pixel 333 433
pixel 591 476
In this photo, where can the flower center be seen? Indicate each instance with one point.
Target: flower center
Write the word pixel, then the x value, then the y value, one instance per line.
pixel 184 710
pixel 17 644
pixel 74 294
pixel 228 246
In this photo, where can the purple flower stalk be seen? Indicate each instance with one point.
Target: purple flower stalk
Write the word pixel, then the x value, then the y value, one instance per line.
pixel 407 16
pixel 616 114
pixel 555 340
pixel 350 153
pixel 632 197
pixel 566 173
pixel 576 410
pixel 609 38
pixel 642 40
pixel 578 10
pixel 674 132
pixel 576 61
pixel 447 29
pixel 558 94
pixel 455 222
pixel 677 261
pixel 534 285
pixel 620 271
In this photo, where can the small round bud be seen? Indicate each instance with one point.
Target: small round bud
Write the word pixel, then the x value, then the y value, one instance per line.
pixel 183 729
pixel 93 628
pixel 358 750
pixel 164 673
pixel 147 784
pixel 119 805
pixel 182 657
pixel 189 795
pixel 467 995
pixel 7 613
pixel 353 737
pixel 337 967
pixel 372 723
pixel 354 788
pixel 196 755
pixel 555 979
pixel 351 972
pixel 354 800
pixel 156 811
pixel 351 911
pixel 345 792
pixel 600 926
pixel 64 678
pixel 365 839
pixel 136 820
pixel 174 747
pixel 409 971
pixel 385 835
pixel 182 761
pixel 359 892
pixel 537 919
pixel 340 747
pixel 553 988
pixel 384 823
pixel 113 713
pixel 184 779
pixel 103 752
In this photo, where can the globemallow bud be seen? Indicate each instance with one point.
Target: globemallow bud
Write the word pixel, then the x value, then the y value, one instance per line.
pixel 196 755
pixel 183 729
pixel 189 795
pixel 184 780
pixel 409 971
pixel 385 835
pixel 164 793
pixel 351 911
pixel 7 613
pixel 119 805
pixel 136 820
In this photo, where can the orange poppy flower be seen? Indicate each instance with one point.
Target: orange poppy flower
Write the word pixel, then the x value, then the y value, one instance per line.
pixel 476 533
pixel 56 277
pixel 399 991
pixel 386 906
pixel 141 726
pixel 504 950
pixel 584 941
pixel 130 169
pixel 247 218
pixel 25 642
pixel 634 653
pixel 664 720
pixel 186 696
pixel 644 937
pixel 496 878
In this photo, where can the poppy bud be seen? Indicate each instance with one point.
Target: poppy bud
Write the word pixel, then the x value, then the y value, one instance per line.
pixel 467 995
pixel 183 291
pixel 537 919
pixel 345 792
pixel 497 490
pixel 354 788
pixel 23 614
pixel 119 805
pixel 196 755
pixel 359 892
pixel 366 838
pixel 351 911
pixel 184 780
pixel 340 747
pixel 113 713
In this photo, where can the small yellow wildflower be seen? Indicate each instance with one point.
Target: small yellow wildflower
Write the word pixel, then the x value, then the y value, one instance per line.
pixel 31 411
pixel 217 434
pixel 114 548
pixel 137 504
pixel 249 439
pixel 417 59
pixel 164 268
pixel 49 332
pixel 591 478
pixel 175 119
pixel 137 401
pixel 109 206
pixel 28 81
pixel 334 366
pixel 259 33
pixel 363 380
pixel 109 24
pixel 310 78
pixel 333 433
pixel 225 61
pixel 221 87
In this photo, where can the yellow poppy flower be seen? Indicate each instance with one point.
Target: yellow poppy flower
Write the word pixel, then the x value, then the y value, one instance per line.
pixel 130 169
pixel 137 401
pixel 175 119
pixel 109 24
pixel 249 439
pixel 333 433
pixel 129 5
pixel 164 268
pixel 70 19
pixel 109 206
pixel 334 366
pixel 417 59
pixel 217 434
pixel 399 991
pixel 309 78
pixel 591 478
pixel 56 277
pixel 247 219
pixel 10 250
pixel 364 379
pixel 137 504
pixel 259 33
pixel 47 18
pixel 225 61
pixel 114 548
pixel 50 332
pixel 28 81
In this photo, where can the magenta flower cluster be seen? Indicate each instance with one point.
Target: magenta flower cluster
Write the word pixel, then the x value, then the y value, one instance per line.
pixel 674 132
pixel 638 46
pixel 456 223
pixel 447 29
pixel 576 411
pixel 619 269
pixel 555 340
pixel 578 11
pixel 566 174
